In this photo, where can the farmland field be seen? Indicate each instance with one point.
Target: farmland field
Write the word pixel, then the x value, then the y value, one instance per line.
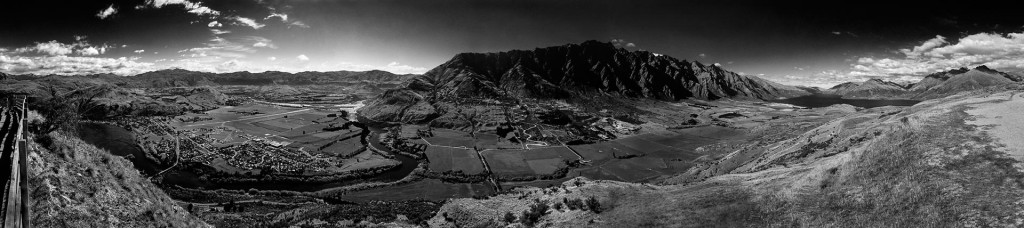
pixel 430 189
pixel 453 159
pixel 541 161
pixel 507 162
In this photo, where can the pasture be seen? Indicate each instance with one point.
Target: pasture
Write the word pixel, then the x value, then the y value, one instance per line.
pixel 444 159
pixel 429 189
pixel 541 161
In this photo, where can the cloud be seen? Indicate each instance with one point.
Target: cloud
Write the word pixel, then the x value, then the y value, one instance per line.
pixel 52 48
pixel 398 68
pixel 218 49
pixel 298 24
pixel 260 42
pixel 998 51
pixel 702 55
pixel 272 58
pixel 247 22
pixel 214 24
pixel 927 46
pixel 67 65
pixel 103 14
pixel 302 58
pixel 283 17
pixel 622 43
pixel 191 7
pixel 139 51
pixel 91 51
pixel 218 31
pixel 837 33
pixel 56 48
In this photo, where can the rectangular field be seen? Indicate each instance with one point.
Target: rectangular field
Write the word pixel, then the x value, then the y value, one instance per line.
pixel 541 161
pixel 545 166
pixel 453 159
pixel 550 152
pixel 593 152
pixel 466 142
pixel 439 157
pixel 344 148
pixel 507 162
pixel 429 189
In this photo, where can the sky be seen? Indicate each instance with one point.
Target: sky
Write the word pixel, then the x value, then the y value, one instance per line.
pixel 813 43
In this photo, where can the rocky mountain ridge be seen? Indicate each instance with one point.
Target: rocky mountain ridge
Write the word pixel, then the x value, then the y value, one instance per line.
pixel 590 67
pixel 932 86
pixel 572 71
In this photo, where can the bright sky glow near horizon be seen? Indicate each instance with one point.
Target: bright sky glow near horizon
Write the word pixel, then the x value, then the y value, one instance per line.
pixel 792 42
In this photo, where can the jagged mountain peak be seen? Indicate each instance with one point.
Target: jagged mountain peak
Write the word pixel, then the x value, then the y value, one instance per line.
pixel 592 67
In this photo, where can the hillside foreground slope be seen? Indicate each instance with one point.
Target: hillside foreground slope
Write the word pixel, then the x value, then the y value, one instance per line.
pixel 75 184
pixel 946 162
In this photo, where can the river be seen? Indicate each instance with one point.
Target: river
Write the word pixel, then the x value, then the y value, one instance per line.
pixel 121 142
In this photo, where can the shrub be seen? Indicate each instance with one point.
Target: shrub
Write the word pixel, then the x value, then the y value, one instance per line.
pixel 536 211
pixel 509 217
pixel 593 205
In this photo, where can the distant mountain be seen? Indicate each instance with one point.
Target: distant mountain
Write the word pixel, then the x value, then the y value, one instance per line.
pixel 587 68
pixel 869 88
pixel 179 77
pixel 934 85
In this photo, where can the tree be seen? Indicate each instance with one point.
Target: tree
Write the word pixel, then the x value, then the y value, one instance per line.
pixel 533 215
pixel 594 205
pixel 64 111
pixel 509 217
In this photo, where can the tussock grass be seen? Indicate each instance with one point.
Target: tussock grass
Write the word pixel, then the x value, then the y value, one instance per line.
pixel 896 182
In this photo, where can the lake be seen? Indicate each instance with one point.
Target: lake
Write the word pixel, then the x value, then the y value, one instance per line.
pixel 823 100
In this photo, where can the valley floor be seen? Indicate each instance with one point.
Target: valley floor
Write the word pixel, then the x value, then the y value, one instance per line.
pixel 941 163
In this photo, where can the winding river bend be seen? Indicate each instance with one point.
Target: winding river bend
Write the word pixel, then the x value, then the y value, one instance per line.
pixel 121 142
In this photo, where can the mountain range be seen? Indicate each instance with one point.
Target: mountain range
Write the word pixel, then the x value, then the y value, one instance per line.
pixel 591 67
pixel 932 86
pixel 573 71
pixel 180 77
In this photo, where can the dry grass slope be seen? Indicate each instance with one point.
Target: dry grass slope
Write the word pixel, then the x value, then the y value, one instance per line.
pixel 921 167
pixel 75 184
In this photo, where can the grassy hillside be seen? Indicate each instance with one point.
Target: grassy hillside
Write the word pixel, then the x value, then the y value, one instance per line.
pixel 75 184
pixel 921 166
